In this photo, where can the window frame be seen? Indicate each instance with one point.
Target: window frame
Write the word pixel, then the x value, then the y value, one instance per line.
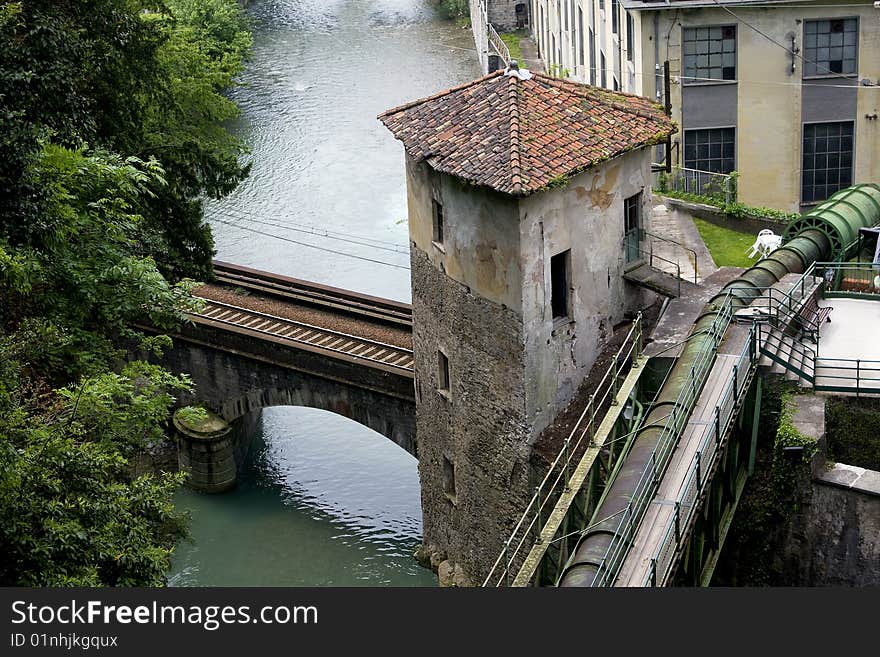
pixel 684 148
pixel 820 76
pixel 444 378
pixel 852 164
pixel 700 79
pixel 438 224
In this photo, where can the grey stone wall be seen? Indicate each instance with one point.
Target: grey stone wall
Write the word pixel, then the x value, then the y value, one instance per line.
pixel 839 543
pixel 502 13
pixel 479 426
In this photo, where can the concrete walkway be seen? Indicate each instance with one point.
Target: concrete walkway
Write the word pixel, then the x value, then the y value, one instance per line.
pixel 531 60
pixel 679 227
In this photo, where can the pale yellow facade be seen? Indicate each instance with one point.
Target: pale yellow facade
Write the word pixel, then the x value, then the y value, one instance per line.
pixel 769 101
pixel 769 90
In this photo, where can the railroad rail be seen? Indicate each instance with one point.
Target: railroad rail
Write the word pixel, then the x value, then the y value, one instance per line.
pixel 314 294
pixel 371 352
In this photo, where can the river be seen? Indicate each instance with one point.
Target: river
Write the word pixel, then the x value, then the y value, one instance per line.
pixel 323 500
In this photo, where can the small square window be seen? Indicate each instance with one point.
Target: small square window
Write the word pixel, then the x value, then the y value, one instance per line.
pixel 709 53
pixel 824 51
pixel 437 221
pixel 442 372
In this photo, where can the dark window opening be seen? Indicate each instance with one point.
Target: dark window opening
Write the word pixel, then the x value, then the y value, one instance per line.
pixel 710 150
pixel 442 372
pixel 632 212
pixel 437 209
pixel 632 223
pixel 831 46
pixel 615 11
pixel 580 36
pixel 827 160
pixel 630 37
pixel 709 53
pixel 602 70
pixel 560 273
pixel 592 58
pixel 449 478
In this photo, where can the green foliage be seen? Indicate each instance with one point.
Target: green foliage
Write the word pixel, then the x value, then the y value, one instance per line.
pixel 111 134
pixel 511 39
pixel 125 78
pixel 192 415
pixel 852 428
pixel 558 71
pixel 714 194
pixel 452 9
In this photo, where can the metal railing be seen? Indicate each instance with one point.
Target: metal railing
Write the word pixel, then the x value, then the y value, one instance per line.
pixel 498 44
pixel 848 278
pixel 636 254
pixel 719 186
pixel 624 534
pixel 704 460
pixel 559 473
pixel 860 376
pixel 690 251
pixel 792 354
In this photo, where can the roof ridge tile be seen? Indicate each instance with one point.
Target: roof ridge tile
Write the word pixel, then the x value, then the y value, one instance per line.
pixel 516 178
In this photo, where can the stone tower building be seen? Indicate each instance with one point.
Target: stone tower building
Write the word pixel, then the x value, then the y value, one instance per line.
pixel 520 189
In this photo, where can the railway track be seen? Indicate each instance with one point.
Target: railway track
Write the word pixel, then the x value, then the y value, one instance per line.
pixel 371 352
pixel 314 294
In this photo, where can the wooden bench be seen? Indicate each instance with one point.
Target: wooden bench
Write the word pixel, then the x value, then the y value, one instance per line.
pixel 810 318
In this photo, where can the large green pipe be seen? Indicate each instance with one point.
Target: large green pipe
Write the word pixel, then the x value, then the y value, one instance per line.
pixel 829 231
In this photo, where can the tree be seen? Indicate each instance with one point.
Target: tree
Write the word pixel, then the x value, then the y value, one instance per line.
pixel 111 133
pixel 134 77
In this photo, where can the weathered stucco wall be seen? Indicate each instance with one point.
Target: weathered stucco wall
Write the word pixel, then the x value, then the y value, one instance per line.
pixel 585 216
pixel 769 112
pixel 481 240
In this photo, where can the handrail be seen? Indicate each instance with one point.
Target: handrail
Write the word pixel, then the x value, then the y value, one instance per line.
pixel 612 560
pixel 704 461
pixel 678 244
pixel 559 471
pixel 863 373
pixel 499 45
pixel 696 181
pixel 651 257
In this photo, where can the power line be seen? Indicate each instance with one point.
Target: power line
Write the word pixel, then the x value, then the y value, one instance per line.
pixel 772 40
pixel 392 247
pixel 311 246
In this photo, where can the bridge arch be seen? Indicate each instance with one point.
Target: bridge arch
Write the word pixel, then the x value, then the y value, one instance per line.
pixel 381 417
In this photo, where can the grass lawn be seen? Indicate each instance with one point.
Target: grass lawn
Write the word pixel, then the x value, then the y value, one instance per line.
pixel 728 247
pixel 512 41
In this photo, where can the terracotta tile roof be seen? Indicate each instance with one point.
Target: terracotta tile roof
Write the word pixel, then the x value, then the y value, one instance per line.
pixel 517 136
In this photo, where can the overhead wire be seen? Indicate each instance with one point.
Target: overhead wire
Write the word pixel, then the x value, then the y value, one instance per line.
pixel 312 246
pixel 391 247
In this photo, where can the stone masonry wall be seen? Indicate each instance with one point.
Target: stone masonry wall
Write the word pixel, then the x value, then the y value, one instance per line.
pixel 502 13
pixel 479 426
pixel 839 544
